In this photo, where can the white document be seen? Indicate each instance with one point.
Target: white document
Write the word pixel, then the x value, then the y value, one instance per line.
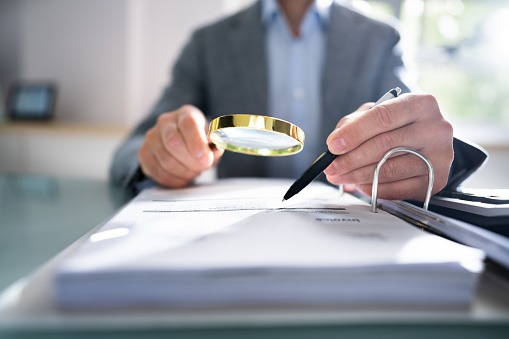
pixel 235 243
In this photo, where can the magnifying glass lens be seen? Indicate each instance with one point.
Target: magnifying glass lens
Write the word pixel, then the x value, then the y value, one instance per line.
pixel 256 135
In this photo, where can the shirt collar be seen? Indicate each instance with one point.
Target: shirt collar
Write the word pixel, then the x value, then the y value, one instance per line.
pixel 270 10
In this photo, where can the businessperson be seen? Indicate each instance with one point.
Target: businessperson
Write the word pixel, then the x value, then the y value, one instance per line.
pixel 312 63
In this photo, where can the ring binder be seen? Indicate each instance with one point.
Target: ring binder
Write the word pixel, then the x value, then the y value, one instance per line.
pixel 374 192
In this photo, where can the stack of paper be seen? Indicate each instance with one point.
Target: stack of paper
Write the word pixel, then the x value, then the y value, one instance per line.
pixel 234 243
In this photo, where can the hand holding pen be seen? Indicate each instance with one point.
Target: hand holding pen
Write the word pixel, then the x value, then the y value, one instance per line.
pixel 363 137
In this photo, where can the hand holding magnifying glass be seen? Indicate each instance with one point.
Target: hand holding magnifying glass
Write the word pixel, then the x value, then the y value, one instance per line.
pixel 176 150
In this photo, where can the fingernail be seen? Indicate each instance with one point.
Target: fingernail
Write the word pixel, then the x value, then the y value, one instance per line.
pixel 337 145
pixel 206 159
pixel 331 170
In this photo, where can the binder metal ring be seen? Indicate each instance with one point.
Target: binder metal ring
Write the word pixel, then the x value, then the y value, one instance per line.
pixel 374 192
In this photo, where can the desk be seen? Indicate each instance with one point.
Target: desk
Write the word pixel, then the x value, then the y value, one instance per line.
pixel 41 216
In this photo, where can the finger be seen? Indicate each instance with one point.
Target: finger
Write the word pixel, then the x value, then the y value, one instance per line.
pixel 192 126
pixel 151 168
pixel 173 143
pixel 412 188
pixel 398 167
pixel 171 164
pixel 166 160
pixel 414 136
pixel 385 117
pixel 362 108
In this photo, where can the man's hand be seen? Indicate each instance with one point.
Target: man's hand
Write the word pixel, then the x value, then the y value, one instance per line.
pixel 176 150
pixel 363 137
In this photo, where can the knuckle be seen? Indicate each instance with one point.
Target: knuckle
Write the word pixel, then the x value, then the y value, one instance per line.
pixel 428 103
pixel 173 141
pixel 343 121
pixel 186 121
pixel 384 143
pixel 187 108
pixel 389 170
pixel 429 100
pixel 446 129
pixel 384 116
pixel 163 119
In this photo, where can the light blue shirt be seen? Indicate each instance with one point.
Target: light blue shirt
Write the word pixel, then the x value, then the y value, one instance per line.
pixel 295 67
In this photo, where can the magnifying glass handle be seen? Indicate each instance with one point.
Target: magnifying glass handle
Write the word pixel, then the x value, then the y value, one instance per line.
pixel 311 173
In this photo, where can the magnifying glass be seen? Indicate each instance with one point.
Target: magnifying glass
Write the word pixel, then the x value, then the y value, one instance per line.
pixel 256 135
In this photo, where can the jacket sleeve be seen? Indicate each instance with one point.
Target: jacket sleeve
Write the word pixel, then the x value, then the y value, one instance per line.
pixel 394 71
pixel 186 88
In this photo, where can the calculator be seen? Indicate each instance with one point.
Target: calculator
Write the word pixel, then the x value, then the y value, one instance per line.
pixel 488 208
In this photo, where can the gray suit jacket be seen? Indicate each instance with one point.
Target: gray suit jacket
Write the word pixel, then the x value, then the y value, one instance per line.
pixel 223 70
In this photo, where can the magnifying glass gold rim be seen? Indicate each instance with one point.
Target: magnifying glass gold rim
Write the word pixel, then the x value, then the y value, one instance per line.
pixel 257 122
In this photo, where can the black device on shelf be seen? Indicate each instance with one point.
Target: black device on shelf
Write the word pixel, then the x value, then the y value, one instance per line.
pixel 31 101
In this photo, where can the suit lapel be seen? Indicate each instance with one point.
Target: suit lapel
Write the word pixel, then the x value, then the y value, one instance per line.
pixel 246 41
pixel 248 47
pixel 340 57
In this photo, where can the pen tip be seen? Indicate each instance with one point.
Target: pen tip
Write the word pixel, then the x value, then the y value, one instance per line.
pixel 283 200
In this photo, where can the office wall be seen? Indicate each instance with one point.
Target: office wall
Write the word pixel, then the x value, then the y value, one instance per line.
pixel 10 58
pixel 81 46
pixel 110 58
pixel 157 31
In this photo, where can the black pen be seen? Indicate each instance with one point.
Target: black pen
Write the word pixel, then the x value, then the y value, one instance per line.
pixel 327 157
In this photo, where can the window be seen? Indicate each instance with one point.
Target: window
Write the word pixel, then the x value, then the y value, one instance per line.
pixel 461 51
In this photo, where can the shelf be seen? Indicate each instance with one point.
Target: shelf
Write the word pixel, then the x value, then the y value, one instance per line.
pixel 57 127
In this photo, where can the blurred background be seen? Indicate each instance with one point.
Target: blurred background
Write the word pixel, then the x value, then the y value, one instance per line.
pixel 110 59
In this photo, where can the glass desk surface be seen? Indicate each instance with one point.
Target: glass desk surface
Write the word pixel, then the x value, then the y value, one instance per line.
pixel 41 216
